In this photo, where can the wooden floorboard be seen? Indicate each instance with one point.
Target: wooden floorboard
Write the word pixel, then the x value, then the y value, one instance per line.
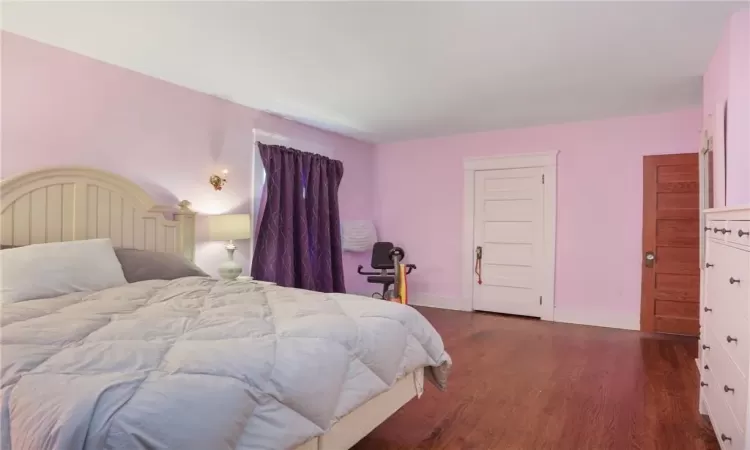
pixel 520 384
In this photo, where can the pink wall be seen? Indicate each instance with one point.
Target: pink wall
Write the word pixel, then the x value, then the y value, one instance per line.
pixel 728 77
pixel 419 203
pixel 738 133
pixel 61 108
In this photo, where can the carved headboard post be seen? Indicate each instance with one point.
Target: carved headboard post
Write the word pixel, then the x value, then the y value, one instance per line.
pixel 186 218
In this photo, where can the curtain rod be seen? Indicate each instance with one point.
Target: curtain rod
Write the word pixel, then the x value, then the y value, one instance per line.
pixel 305 145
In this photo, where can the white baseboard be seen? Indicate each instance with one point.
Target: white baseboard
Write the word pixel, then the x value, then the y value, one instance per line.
pixel 598 319
pixel 436 301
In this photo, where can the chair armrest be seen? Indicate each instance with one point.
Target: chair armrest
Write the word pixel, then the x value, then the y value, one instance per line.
pixel 359 271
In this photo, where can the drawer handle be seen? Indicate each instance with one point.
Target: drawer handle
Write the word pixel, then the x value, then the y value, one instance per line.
pixel 728 389
pixel 725 438
pixel 731 339
pixel 716 230
pixel 725 230
pixel 707 309
pixel 733 280
pixel 703 384
pixel 706 228
pixel 705 347
pixel 741 233
pixel 709 265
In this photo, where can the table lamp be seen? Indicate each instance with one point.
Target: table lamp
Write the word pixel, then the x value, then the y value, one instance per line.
pixel 229 227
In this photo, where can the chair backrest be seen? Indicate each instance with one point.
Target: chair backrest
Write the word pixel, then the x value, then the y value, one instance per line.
pixel 380 255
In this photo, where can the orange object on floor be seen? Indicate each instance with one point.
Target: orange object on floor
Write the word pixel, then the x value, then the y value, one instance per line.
pixel 402 283
pixel 400 296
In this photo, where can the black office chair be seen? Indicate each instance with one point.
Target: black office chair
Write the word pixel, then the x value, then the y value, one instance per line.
pixel 385 258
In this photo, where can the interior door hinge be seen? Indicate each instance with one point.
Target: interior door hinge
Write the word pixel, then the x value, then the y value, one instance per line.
pixel 542 178
pixel 540 299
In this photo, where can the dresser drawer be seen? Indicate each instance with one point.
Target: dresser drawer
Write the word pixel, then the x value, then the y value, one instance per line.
pixel 731 384
pixel 727 432
pixel 739 232
pixel 731 334
pixel 726 313
pixel 728 278
pixel 716 230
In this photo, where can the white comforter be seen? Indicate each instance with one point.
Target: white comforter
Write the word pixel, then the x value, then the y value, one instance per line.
pixel 200 364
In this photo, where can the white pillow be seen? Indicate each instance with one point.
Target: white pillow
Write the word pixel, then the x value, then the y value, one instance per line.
pixel 51 270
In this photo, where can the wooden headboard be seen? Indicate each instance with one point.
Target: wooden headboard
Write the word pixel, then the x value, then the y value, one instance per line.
pixel 76 203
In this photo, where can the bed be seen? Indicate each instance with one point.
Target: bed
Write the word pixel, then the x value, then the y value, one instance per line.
pixel 192 362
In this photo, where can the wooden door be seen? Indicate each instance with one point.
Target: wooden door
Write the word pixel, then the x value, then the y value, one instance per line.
pixel 508 225
pixel 671 280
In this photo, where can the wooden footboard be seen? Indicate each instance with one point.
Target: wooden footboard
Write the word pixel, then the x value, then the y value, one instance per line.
pixel 360 422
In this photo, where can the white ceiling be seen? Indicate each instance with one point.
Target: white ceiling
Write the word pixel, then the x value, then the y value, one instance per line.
pixel 382 72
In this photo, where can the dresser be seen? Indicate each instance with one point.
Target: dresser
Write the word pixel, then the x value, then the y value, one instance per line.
pixel 724 360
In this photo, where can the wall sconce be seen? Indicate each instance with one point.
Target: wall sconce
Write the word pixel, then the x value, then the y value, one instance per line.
pixel 217 181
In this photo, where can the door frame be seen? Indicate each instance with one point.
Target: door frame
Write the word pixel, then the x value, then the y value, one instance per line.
pixel 703 189
pixel 547 161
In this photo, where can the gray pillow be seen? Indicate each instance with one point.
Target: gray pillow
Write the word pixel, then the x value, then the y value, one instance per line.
pixel 142 265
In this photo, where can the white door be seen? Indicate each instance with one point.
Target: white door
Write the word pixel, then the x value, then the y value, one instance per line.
pixel 509 228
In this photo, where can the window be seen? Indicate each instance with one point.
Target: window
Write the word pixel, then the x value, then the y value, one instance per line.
pixel 259 174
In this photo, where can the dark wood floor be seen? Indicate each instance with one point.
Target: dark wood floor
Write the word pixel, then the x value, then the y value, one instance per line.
pixel 521 384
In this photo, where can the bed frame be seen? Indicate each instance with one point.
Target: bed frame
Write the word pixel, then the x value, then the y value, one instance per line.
pixel 360 422
pixel 76 203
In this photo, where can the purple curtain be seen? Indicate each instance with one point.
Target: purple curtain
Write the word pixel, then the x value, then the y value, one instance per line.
pixel 324 229
pixel 299 236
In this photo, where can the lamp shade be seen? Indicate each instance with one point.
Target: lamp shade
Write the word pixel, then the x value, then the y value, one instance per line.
pixel 228 227
pixel 358 235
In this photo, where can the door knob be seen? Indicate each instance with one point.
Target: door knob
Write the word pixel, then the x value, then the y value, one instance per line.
pixel 650 258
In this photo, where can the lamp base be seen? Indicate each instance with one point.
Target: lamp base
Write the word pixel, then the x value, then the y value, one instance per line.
pixel 230 270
